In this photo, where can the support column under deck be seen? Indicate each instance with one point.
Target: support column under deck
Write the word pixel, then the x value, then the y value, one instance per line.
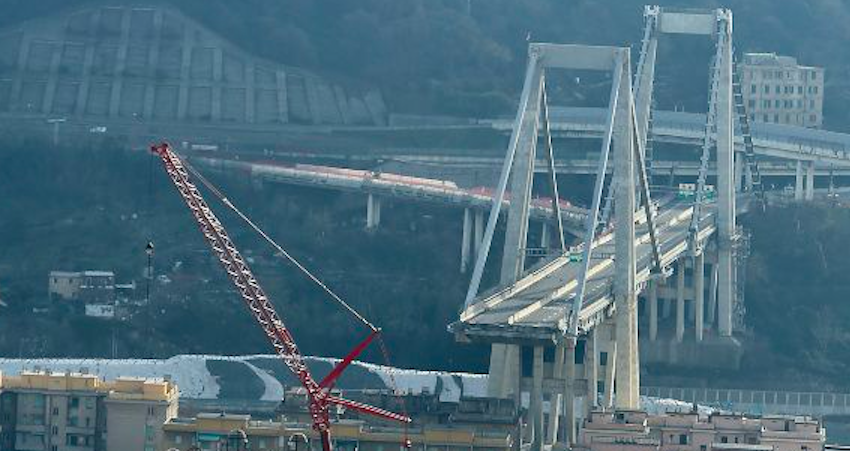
pixel 591 370
pixel 556 399
pixel 535 410
pixel 466 241
pixel 610 369
pixel 712 295
pixel 479 231
pixel 652 299
pixel 699 295
pixel 810 181
pixel 798 181
pixel 569 395
pixel 680 300
pixel 373 212
pixel 545 235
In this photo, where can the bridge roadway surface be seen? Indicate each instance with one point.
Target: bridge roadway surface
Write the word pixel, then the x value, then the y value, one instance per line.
pixel 391 186
pixel 773 140
pixel 536 307
pixel 777 141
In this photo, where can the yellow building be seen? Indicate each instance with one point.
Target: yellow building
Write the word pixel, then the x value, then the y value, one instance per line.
pixel 81 412
pixel 223 432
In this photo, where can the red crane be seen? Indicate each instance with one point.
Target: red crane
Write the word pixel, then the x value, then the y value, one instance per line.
pixel 318 393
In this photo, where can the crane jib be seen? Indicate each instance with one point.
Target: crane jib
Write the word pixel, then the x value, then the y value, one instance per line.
pixel 319 397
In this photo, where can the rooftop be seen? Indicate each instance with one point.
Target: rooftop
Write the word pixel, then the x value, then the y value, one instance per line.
pixel 120 389
pixel 769 59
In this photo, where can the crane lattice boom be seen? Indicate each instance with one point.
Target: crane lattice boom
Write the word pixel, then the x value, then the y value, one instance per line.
pixel 319 397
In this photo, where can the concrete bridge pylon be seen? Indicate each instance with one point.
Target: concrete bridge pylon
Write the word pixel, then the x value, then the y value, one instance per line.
pixel 620 344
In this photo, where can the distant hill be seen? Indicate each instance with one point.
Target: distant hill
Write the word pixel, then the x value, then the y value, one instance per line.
pixel 465 57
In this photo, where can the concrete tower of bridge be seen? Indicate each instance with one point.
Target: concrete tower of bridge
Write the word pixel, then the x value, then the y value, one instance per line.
pixel 560 384
pixel 585 307
pixel 719 136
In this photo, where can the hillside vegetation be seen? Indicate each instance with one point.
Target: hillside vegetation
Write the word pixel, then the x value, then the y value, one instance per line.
pixel 69 209
pixel 466 57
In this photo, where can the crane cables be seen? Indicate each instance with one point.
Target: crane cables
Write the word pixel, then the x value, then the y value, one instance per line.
pixel 289 257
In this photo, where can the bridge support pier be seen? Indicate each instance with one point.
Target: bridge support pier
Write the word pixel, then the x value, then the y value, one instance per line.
pixel 466 240
pixel 556 398
pixel 591 371
pixel 569 395
pixel 373 212
pixel 680 300
pixel 504 371
pixel 798 181
pixel 535 409
pixel 479 231
pixel 610 368
pixel 712 295
pixel 810 180
pixel 545 236
pixel 652 299
pixel 699 295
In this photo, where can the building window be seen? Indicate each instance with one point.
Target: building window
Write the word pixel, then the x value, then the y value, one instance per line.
pixel 752 103
pixel 89 403
pixel 778 89
pixel 753 89
pixel 178 439
pixel 149 433
pixel 779 74
pixel 603 358
pixel 683 439
pixel 814 75
pixel 815 89
pixel 766 103
pixel 812 104
pixel 766 118
pixel 778 104
pixel 724 439
pixel 55 411
pixel 776 118
pixel 767 89
pixel 800 89
pixel 54 430
pixel 703 448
